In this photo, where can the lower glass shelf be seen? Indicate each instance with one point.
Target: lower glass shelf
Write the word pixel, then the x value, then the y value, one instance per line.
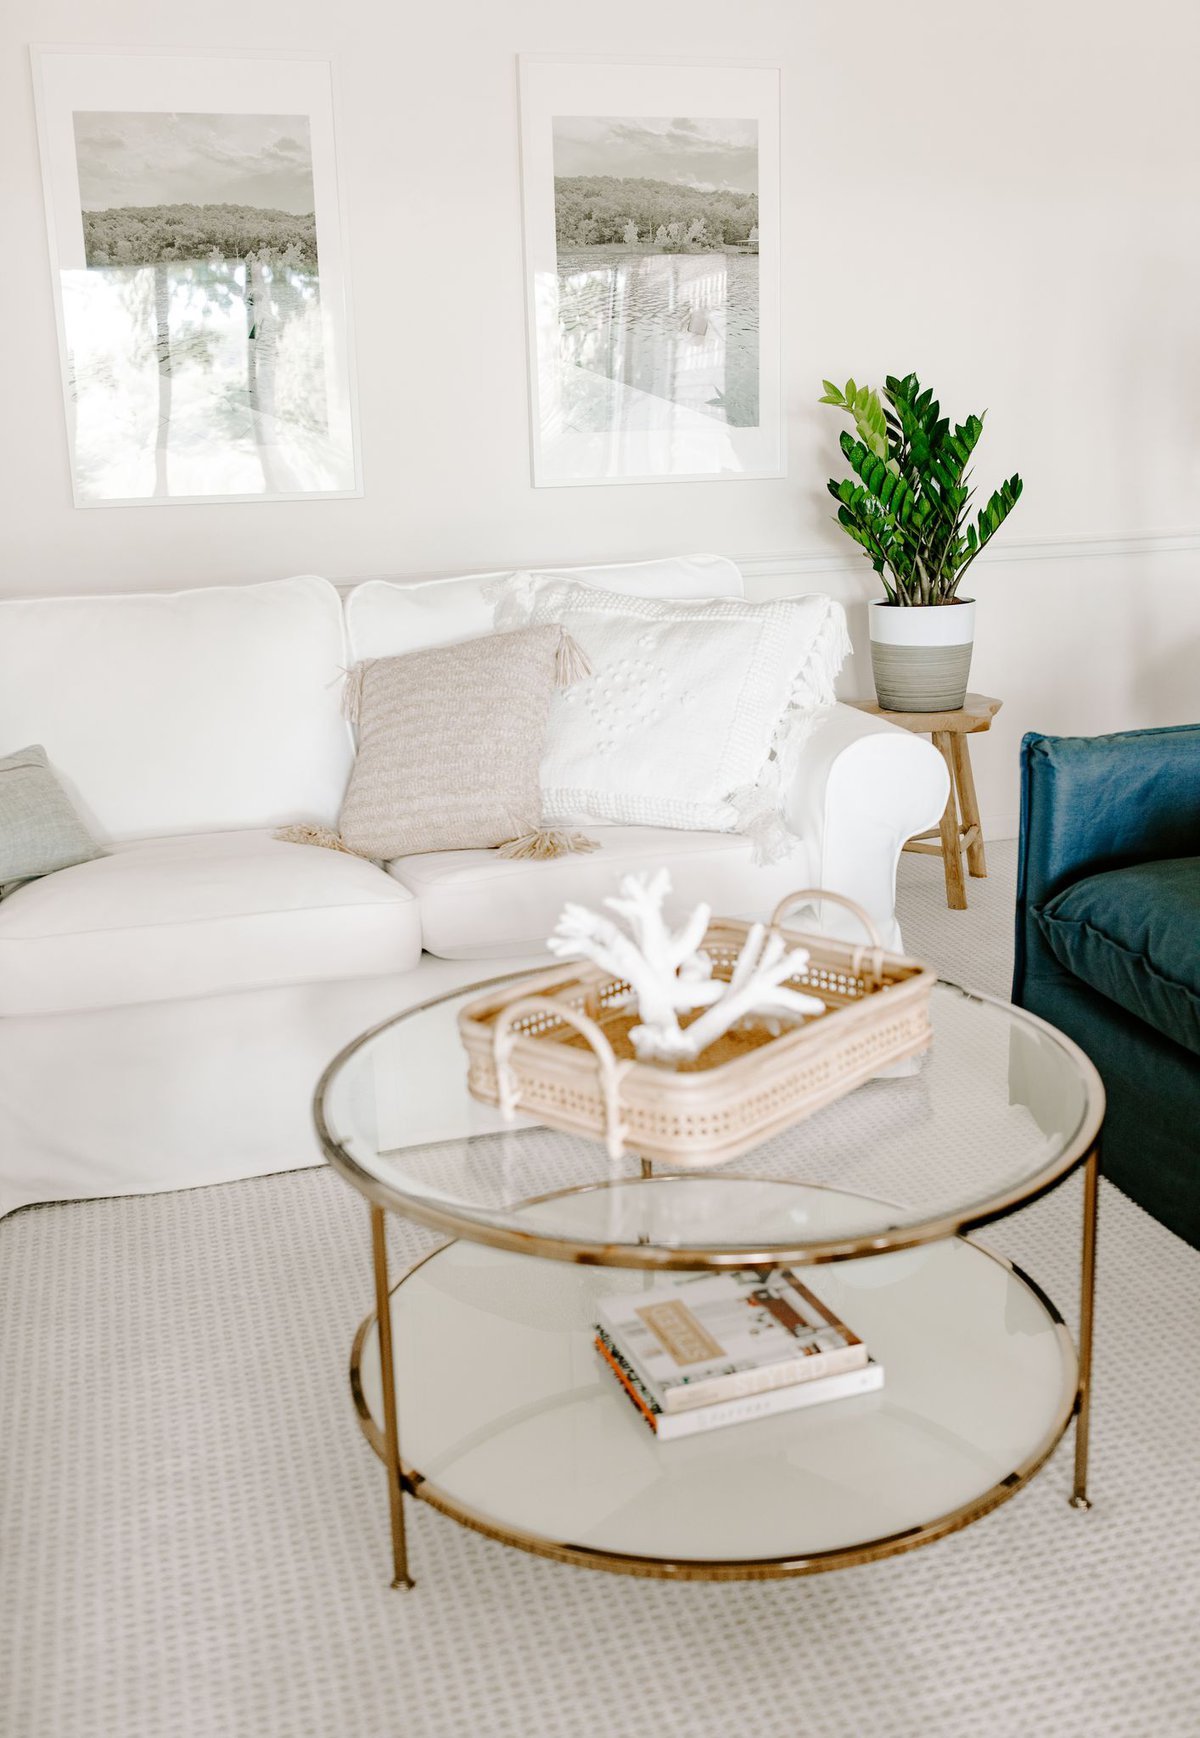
pixel 510 1422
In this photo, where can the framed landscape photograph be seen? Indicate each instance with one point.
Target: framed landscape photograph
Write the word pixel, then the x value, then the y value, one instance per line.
pixel 651 200
pixel 199 276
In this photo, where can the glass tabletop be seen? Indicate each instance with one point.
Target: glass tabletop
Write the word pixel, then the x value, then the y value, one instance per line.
pixel 997 1110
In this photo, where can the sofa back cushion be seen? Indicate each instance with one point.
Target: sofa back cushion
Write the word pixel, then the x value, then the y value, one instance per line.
pixel 183 712
pixel 384 619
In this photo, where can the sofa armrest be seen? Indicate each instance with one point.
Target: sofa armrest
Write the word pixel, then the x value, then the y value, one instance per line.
pixel 860 787
pixel 1090 803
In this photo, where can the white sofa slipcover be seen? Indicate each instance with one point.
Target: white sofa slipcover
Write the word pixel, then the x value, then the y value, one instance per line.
pixel 183 712
pixel 166 1010
pixel 384 619
pixel 477 905
pixel 202 914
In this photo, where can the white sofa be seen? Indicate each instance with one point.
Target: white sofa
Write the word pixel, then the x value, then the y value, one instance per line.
pixel 166 1009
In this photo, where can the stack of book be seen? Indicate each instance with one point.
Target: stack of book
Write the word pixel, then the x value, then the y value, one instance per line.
pixel 703 1352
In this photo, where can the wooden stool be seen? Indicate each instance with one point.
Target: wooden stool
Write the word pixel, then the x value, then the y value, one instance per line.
pixel 959 829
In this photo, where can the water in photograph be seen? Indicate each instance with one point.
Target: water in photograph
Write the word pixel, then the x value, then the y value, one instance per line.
pixel 666 328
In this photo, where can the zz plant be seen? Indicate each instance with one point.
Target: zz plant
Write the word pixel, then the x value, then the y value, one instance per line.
pixel 908 503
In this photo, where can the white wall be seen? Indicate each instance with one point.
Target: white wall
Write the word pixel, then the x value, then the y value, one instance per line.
pixel 1022 228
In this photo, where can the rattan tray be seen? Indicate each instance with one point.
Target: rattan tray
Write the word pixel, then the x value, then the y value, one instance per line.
pixel 556 1046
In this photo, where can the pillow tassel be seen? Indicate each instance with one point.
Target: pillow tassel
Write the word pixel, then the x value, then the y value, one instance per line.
pixel 544 844
pixel 313 835
pixel 570 661
pixel 352 689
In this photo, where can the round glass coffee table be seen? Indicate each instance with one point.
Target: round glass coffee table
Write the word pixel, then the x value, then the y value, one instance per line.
pixel 477 1383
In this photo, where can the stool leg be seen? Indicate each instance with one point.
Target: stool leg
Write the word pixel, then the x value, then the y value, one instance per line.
pixel 969 804
pixel 956 891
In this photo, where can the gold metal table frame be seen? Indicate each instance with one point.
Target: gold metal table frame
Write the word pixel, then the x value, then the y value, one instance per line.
pixel 403 1480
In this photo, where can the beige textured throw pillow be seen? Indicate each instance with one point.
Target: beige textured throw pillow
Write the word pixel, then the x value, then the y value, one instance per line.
pixel 449 745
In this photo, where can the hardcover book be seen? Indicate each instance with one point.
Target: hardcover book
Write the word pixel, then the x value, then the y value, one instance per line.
pixel 670 1426
pixel 721 1337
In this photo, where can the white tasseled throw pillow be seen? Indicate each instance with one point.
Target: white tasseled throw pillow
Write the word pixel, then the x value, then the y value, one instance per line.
pixel 449 743
pixel 691 708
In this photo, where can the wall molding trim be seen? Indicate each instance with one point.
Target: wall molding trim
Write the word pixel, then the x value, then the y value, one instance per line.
pixel 787 563
pixel 1073 548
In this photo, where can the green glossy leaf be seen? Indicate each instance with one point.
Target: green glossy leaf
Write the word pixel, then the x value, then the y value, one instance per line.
pixel 909 500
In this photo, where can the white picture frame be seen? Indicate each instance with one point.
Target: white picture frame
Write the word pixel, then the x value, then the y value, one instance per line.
pixel 648 362
pixel 205 357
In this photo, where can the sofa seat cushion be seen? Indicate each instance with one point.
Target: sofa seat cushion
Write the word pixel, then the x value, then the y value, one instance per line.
pixel 201 915
pixel 1133 935
pixel 478 905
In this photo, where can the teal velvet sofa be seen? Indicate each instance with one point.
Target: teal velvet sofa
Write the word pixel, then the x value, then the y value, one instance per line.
pixel 1108 942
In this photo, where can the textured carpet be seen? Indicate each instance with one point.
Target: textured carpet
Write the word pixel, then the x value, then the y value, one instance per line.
pixel 193 1533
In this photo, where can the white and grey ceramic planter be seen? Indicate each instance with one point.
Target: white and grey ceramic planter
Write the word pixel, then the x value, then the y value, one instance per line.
pixel 921 654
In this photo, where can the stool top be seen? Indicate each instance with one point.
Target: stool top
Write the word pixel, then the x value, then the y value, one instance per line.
pixel 976 713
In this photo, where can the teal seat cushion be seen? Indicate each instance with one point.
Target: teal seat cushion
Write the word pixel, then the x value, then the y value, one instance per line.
pixel 1134 935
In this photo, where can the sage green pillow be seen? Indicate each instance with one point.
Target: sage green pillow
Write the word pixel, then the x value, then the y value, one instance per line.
pixel 39 830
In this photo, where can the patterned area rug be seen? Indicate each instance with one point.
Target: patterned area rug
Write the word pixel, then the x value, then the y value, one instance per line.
pixel 193 1533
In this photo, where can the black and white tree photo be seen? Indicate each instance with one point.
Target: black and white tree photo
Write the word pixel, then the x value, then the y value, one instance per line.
pixel 202 228
pixel 200 274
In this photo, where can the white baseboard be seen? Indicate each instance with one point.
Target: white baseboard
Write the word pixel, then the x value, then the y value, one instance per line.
pixel 999 826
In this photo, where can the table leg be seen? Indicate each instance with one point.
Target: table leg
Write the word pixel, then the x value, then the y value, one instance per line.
pixel 1087 1299
pixel 964 778
pixel 387 1373
pixel 956 892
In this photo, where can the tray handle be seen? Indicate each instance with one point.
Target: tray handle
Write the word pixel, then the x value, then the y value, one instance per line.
pixel 504 1040
pixel 860 954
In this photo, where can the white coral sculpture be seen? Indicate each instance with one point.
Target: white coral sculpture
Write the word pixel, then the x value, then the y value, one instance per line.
pixel 669 974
